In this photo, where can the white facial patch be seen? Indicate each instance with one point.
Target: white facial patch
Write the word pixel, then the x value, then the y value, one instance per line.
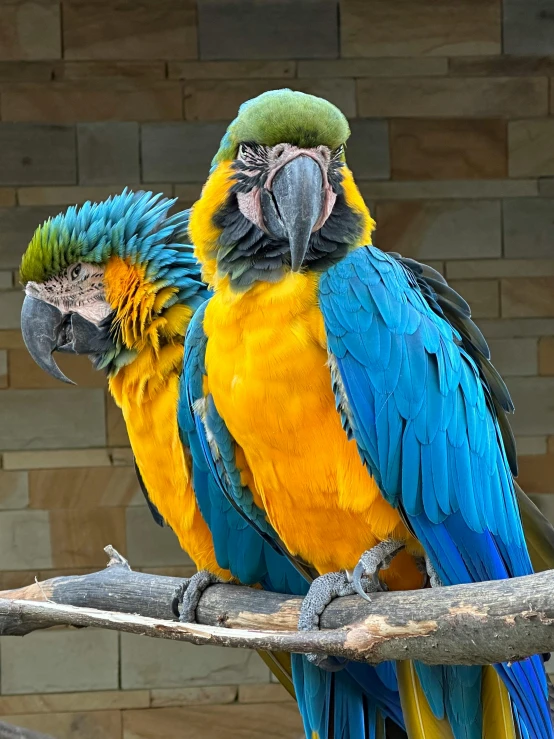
pixel 78 289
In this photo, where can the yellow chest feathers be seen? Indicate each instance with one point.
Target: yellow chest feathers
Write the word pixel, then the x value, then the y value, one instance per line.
pixel 267 370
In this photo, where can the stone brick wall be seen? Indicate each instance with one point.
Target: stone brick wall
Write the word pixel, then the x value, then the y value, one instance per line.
pixel 453 147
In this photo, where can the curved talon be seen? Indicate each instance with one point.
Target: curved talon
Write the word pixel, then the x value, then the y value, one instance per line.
pixel 359 572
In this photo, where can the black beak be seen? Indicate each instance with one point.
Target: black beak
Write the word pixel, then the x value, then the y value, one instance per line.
pixel 46 329
pixel 298 196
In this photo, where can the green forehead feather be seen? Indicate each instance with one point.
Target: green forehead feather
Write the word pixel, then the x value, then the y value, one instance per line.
pixel 285 116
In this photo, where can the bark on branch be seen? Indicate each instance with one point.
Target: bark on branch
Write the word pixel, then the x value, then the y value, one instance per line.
pixel 466 624
pixel 7 731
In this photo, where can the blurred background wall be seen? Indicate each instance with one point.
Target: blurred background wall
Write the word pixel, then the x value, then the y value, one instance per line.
pixel 453 147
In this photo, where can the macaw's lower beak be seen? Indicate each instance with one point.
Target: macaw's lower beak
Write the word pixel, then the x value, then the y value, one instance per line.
pixel 298 197
pixel 46 329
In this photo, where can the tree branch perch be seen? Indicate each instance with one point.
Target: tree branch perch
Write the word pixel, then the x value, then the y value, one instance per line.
pixel 466 624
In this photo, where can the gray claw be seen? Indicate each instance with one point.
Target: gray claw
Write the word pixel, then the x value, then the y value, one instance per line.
pixel 357 577
pixel 365 577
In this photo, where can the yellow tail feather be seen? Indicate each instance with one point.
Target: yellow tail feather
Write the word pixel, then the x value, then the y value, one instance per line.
pixel 421 723
pixel 498 722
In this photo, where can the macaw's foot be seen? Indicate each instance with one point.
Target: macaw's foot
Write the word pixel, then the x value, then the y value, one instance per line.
pixel 434 579
pixel 371 563
pixel 322 591
pixel 187 596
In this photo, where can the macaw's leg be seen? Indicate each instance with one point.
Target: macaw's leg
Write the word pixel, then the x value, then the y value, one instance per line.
pixel 371 563
pixel 322 591
pixel 187 596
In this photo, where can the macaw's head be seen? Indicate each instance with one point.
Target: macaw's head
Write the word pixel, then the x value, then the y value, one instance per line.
pixel 280 196
pixel 110 280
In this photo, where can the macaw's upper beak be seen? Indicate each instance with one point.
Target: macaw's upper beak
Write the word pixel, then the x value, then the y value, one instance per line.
pixel 46 329
pixel 298 198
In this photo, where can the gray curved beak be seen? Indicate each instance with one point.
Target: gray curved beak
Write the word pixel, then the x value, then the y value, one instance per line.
pixel 298 195
pixel 41 325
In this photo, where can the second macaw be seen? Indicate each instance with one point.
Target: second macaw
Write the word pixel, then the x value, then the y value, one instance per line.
pixel 348 397
pixel 116 281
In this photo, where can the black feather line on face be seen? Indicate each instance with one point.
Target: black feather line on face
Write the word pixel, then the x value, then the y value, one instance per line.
pixel 107 338
pixel 248 255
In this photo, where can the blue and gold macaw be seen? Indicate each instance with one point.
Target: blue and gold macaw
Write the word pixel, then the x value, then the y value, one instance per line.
pixel 349 401
pixel 115 281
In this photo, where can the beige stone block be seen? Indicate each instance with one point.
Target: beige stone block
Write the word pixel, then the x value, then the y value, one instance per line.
pixel 156 663
pixel 26 71
pixel 122 457
pixel 527 297
pixel 108 152
pixel 417 28
pixel 502 66
pixel 182 571
pixel 517 327
pixel 448 149
pixel 37 154
pixel 110 70
pixel 25 540
pixel 7 197
pixel 149 544
pixel 166 697
pixel 14 490
pixel 100 29
pixel 434 97
pixel 187 194
pixel 79 536
pixel 546 356
pixel 56 459
pixel 440 229
pixel 30 29
pixel 531 148
pixel 92 725
pixel 482 296
pixel 6 280
pixel 62 102
pixel 546 187
pixel 401 67
pixel 532 398
pixel 3 368
pixel 88 487
pixel 60 660
pixel 515 357
pixel 449 189
pixel 528 446
pixel 10 308
pixel 484 268
pixel 63 196
pixel 236 70
pixel 100 700
pixel 263 694
pixel 232 722
pixel 536 473
pixel 212 100
pixel 116 428
pixel 26 374
pixel 528 227
pixel 33 419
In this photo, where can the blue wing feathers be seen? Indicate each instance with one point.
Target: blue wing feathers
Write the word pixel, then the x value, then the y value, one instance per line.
pixel 443 459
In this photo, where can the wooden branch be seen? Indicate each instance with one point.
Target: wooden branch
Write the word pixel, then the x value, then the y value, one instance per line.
pixel 7 731
pixel 466 624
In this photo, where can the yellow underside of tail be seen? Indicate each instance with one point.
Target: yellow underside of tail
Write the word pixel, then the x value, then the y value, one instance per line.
pixel 421 723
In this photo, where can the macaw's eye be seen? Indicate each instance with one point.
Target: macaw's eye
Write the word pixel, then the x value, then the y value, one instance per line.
pixel 75 272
